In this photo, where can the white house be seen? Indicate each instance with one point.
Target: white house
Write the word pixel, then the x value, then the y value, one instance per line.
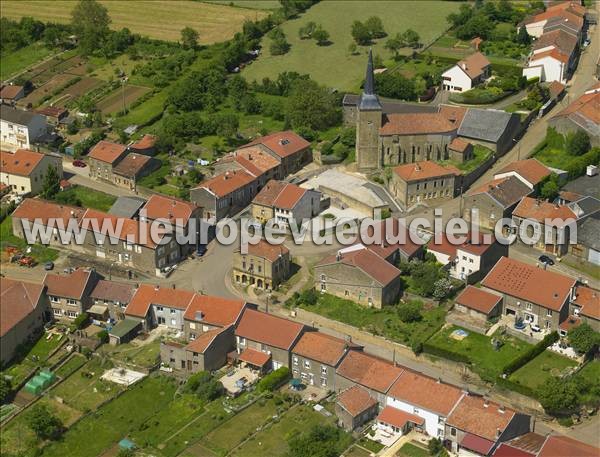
pixel 19 129
pixel 548 65
pixel 427 398
pixel 284 201
pixel 23 171
pixel 467 73
pixel 529 171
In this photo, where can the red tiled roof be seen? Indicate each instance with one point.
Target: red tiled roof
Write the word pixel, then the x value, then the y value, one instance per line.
pixel 268 251
pixel 147 295
pixel 367 261
pixel 203 341
pixel 131 165
pixel 475 247
pixel 425 392
pixel 283 144
pixel 355 400
pixel 225 183
pixel 473 65
pixel 321 347
pixel 506 450
pixel 561 446
pixel 113 290
pixel 459 145
pixel 22 162
pixel 52 111
pixel 471 415
pixel 589 300
pixel 477 444
pixel 279 194
pixel 569 323
pixel 534 209
pixel 369 371
pixel 527 282
pixel 568 13
pixel 169 208
pixel 146 142
pixel 214 310
pixel 424 170
pixel 554 53
pixel 17 300
pixel 556 88
pixel 130 229
pixel 561 40
pixel 415 124
pixel 255 160
pixel 389 230
pixel 10 91
pixel 71 285
pixel 254 357
pixel 398 418
pixel 531 170
pixel 454 114
pixel 35 208
pixel 106 151
pixel 478 299
pixel 268 329
pixel 587 106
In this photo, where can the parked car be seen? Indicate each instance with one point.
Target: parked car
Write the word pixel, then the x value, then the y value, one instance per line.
pixel 49 265
pixel 545 259
pixel 535 328
pixel 79 163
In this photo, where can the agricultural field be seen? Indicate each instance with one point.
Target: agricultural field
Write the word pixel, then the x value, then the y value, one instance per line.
pixel 72 93
pixel 114 101
pixel 213 22
pixel 332 65
pixel 16 62
pixel 252 4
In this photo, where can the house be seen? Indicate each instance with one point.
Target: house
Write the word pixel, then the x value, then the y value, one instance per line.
pixel 477 425
pixel 225 194
pixel 316 356
pixel 527 445
pixel 495 129
pixel 538 297
pixel 478 304
pixel 549 65
pixel 206 312
pixel 469 260
pixel 557 446
pixel 24 309
pixel 289 148
pixel 114 296
pixel 357 273
pixel 397 422
pixel 254 160
pixel 145 145
pixel 567 12
pixel 132 168
pixel 373 374
pixel 266 341
pixel 264 266
pixel 431 400
pixel 69 294
pixel 281 201
pixel 585 306
pixel 581 114
pixel 588 245
pixel 103 158
pixel 11 93
pixel 467 73
pixel 392 241
pixel 354 407
pixel 529 171
pixel 208 352
pixel 493 201
pixel 423 182
pixel 54 114
pixel 20 129
pixel 24 171
pixel 555 222
pixel 155 305
pixel 460 150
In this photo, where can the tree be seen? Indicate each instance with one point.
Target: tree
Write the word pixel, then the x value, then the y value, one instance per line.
pixel 279 44
pixel 424 276
pixel 394 44
pixel 189 38
pixel 321 36
pixel 522 36
pixel 307 30
pixel 550 187
pixel 435 446
pixel 43 423
pixel 312 106
pixel 204 386
pixel 583 338
pixel 409 312
pixel 360 33
pixel 51 183
pixel 411 38
pixel 394 85
pixel 319 441
pixel 442 288
pixel 558 396
pixel 578 143
pixel 375 27
pixel 4 387
pixel 90 21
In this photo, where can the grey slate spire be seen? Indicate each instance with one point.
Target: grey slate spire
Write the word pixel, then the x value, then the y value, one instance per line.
pixel 369 100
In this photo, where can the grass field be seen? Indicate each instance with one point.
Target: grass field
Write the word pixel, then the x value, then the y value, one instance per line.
pixel 157 19
pixel 410 450
pixel 545 365
pixel 332 65
pixel 88 198
pixel 144 356
pixel 113 102
pixel 39 252
pixel 36 355
pixel 252 4
pixel 23 58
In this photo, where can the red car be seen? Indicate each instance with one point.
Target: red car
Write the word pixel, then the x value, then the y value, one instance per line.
pixel 79 163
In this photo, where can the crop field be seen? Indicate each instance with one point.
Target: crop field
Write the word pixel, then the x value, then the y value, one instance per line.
pixel 78 89
pixel 113 102
pixel 157 19
pixel 333 65
pixel 16 62
pixel 46 89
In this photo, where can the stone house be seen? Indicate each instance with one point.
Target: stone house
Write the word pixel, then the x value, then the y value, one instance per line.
pixel 145 145
pixel 69 294
pixel 478 304
pixel 355 407
pixel 531 172
pixel 423 182
pixel 270 335
pixel 132 168
pixel 581 114
pixel 393 241
pixel 359 274
pixel 24 309
pixel 585 306
pixel 206 312
pixel 539 297
pixel 11 93
pixel 460 150
pixel 316 356
pixel 254 160
pixel 103 157
pixel 265 266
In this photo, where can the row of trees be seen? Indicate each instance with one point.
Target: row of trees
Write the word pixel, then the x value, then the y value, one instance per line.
pixel 407 39
pixel 364 33
pixel 16 35
pixel 314 31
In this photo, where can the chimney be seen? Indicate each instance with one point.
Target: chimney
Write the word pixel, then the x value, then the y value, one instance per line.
pixel 498 433
pixel 463 65
pixel 501 409
pixel 439 380
pixel 173 286
pixel 417 166
pixel 156 287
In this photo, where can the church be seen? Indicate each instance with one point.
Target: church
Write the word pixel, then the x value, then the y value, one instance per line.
pixel 386 138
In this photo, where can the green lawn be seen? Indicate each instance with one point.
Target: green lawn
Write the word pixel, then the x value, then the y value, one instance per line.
pixel 333 65
pixel 86 198
pixel 145 112
pixel 410 450
pixel 34 356
pixel 72 365
pixel 485 361
pixel 545 365
pixel 145 355
pixel 19 60
pixel 480 155
pixel 39 252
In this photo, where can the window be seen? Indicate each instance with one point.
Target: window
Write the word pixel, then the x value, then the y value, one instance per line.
pixel 323 369
pixel 54 299
pixel 471 260
pixel 71 302
pixel 346 293
pixel 57 311
pixel 242 341
pixel 323 382
pixel 205 328
pixel 323 287
pixel 159 308
pixel 193 325
pixel 415 410
pixel 528 306
pixel 295 359
pixel 192 336
pixel 549 312
pixel 173 321
pixel 453 431
pixel 173 311
pixel 307 364
pixel 322 277
pixel 72 314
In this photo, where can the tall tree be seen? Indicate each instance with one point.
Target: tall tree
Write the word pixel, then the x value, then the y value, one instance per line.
pixel 189 38
pixel 360 33
pixel 311 106
pixel 394 44
pixel 45 424
pixel 51 184
pixel 411 38
pixel 90 22
pixel 321 36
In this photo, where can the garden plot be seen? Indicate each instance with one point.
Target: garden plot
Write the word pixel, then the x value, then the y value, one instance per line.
pixel 114 101
pixel 75 91
pixel 52 85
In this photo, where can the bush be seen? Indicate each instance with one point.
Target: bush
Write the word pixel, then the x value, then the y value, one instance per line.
pixel 410 312
pixel 531 354
pixel 80 321
pixel 102 336
pixel 273 380
pixel 479 96
pixel 583 338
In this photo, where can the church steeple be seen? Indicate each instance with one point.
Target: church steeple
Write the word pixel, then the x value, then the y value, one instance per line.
pixel 369 100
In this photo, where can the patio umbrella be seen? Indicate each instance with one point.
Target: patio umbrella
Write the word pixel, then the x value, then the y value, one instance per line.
pixel 294 382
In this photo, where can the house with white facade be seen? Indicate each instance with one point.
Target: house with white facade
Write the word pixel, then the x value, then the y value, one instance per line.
pixel 24 171
pixel 467 73
pixel 20 129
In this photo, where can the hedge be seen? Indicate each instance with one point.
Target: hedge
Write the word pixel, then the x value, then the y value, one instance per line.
pixel 531 354
pixel 479 96
pixel 273 380
pixel 444 353
pixel 511 385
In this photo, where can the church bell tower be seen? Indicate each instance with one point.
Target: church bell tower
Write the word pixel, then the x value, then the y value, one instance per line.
pixel 368 123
